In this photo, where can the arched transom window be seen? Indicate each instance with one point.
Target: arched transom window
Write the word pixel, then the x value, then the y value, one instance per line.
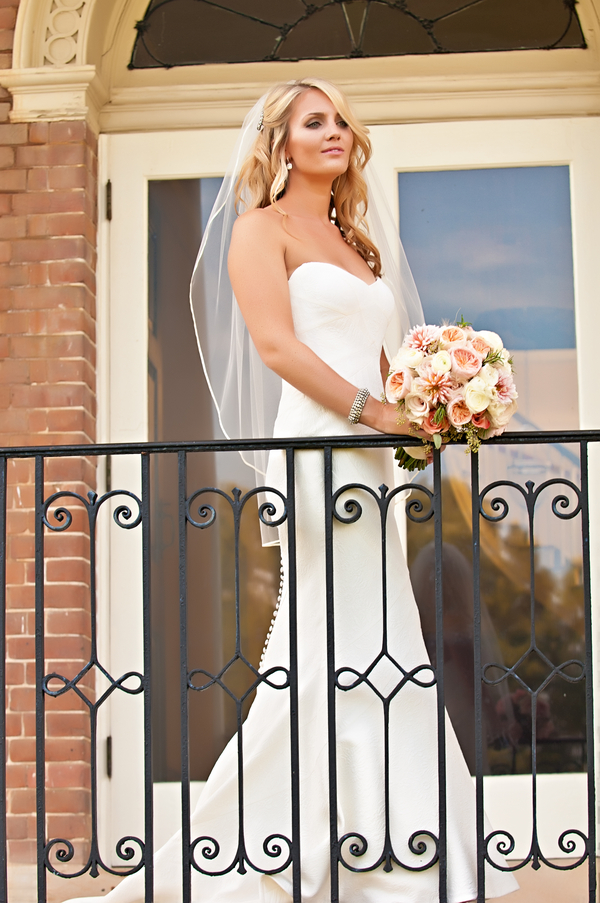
pixel 193 32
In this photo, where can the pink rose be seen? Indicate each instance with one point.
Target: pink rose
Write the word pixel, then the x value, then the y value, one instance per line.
pixel 458 412
pixel 480 346
pixel 431 427
pixel 465 362
pixel 398 385
pixel 450 335
pixel 417 407
pixel 481 420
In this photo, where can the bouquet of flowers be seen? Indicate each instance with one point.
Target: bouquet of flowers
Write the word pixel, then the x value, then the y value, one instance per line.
pixel 451 382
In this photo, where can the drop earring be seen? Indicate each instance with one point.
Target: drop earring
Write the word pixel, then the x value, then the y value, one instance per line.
pixel 289 164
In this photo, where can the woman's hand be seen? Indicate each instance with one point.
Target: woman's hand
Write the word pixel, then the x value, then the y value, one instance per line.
pixel 384 417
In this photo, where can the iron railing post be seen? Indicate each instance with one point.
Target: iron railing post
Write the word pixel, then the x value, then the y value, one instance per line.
pixel 40 717
pixel 186 876
pixel 478 695
pixel 293 676
pixel 439 646
pixel 331 726
pixel 147 631
pixel 589 677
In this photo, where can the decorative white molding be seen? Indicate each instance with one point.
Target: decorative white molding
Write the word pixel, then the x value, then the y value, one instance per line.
pixel 51 33
pixel 57 41
pixel 64 26
pixel 422 99
pixel 77 92
pixel 51 94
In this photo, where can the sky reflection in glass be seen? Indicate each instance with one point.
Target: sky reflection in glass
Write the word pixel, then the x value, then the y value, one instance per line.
pixel 493 245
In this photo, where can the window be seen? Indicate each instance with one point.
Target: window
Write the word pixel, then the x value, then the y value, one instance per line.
pixel 494 246
pixel 193 32
pixel 180 407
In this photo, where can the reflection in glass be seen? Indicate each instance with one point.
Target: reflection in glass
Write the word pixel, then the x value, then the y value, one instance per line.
pixel 494 246
pixel 180 408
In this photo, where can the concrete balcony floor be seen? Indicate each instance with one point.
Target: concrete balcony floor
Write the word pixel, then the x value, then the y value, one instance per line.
pixel 544 886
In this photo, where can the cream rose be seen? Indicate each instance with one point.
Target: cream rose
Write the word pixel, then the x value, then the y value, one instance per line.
pixel 417 407
pixel 492 339
pixel 407 357
pixel 398 385
pixel 477 395
pixel 501 413
pixel 489 374
pixel 441 362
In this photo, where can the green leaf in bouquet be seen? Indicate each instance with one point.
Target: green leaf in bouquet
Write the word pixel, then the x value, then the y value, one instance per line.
pixel 439 415
pixel 493 357
pixel 437 440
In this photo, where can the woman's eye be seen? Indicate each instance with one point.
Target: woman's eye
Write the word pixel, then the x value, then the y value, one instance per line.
pixel 310 125
pixel 343 123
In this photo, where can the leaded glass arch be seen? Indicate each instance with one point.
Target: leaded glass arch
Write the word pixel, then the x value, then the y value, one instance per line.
pixel 193 32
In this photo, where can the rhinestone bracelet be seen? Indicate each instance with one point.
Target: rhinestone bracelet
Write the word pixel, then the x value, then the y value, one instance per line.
pixel 358 405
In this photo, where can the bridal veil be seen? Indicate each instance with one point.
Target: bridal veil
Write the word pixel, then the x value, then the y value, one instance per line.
pixel 245 392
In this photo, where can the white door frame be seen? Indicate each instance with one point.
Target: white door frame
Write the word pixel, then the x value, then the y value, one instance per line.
pixel 129 161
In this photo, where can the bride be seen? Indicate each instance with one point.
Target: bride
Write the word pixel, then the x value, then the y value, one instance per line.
pixel 310 286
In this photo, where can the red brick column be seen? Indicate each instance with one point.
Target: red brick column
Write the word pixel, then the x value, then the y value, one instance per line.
pixel 48 176
pixel 8 17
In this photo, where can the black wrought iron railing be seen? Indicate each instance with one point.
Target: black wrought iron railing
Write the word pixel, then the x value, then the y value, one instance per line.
pixel 198 510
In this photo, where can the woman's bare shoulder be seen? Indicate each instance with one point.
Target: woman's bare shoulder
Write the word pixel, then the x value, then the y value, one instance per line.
pixel 260 223
pixel 258 239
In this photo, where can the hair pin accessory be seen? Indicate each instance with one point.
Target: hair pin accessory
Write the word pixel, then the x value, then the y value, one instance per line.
pixel 261 119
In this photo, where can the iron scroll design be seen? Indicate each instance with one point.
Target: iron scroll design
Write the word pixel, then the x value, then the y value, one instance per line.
pixel 276 846
pixel 421 843
pixel 70 512
pixel 54 685
pixel 565 508
pixel 180 33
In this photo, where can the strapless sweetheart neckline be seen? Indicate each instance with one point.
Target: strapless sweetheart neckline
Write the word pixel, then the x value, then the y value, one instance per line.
pixel 325 263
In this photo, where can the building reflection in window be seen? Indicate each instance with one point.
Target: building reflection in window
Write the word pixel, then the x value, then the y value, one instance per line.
pixel 180 408
pixel 494 246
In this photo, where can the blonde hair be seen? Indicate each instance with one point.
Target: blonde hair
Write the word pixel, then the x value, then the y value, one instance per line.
pixel 264 173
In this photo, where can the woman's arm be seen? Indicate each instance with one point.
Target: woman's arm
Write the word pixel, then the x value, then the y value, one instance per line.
pixel 259 278
pixel 384 365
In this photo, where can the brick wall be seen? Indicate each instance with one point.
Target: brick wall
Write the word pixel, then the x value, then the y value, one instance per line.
pixel 8 16
pixel 48 175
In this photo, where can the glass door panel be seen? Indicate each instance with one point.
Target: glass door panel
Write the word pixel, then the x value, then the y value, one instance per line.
pixel 494 246
pixel 180 408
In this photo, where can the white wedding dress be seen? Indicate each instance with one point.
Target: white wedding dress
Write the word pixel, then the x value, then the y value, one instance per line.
pixel 343 319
